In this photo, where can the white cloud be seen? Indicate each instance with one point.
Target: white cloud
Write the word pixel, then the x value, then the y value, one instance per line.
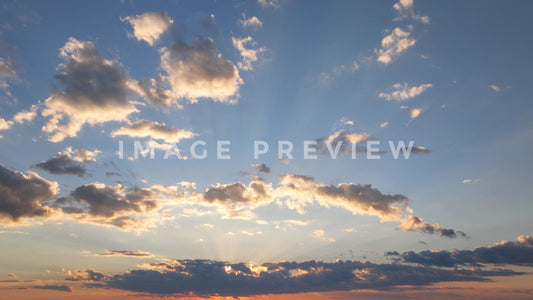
pixel 415 112
pixel 4 125
pixel 199 71
pixel 246 49
pixel 25 115
pixel 269 3
pixel 327 77
pixel 154 130
pixel 495 88
pixel 394 45
pixel 401 92
pixel 96 90
pixel 253 22
pixel 5 70
pixel 384 124
pixel 405 10
pixel 149 26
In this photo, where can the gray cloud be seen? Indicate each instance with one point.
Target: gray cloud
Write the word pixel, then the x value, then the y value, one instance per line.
pixel 262 168
pixel 130 253
pixel 24 195
pixel 415 223
pixel 61 288
pixel 70 161
pixel 207 277
pixel 519 252
pixel 96 90
pixel 109 205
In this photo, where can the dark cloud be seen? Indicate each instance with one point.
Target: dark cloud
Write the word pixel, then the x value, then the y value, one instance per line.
pixel 62 288
pixel 70 161
pixel 415 223
pixel 262 168
pixel 519 252
pixel 62 164
pixel 24 195
pixel 131 253
pixel 106 201
pixel 209 278
pixel 111 173
pixel 95 91
pixel 109 205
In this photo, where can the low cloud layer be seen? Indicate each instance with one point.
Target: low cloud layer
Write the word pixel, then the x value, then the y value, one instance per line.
pixel 210 278
pixel 518 252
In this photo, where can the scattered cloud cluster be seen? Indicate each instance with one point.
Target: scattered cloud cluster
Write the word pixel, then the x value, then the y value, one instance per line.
pixel 394 45
pixel 247 49
pixel 404 9
pixel 252 22
pixel 401 92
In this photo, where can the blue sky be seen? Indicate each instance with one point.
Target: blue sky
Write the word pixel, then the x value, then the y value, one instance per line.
pixel 452 76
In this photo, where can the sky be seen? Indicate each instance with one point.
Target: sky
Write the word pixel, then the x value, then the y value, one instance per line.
pixel 270 149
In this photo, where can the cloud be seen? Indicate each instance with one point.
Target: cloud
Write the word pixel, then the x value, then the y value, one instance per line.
pixel 61 288
pixel 415 223
pixel 199 71
pixel 321 234
pixel 495 88
pixel 72 162
pixel 129 253
pixel 394 45
pixel 519 253
pixel 153 130
pixel 246 49
pixel 415 112
pixel 252 22
pixel 209 278
pixel 96 90
pixel 345 138
pixel 4 125
pixel 237 199
pixel 269 3
pixel 262 168
pixel 25 115
pixel 402 92
pixel 405 10
pixel 420 150
pixel 327 77
pixel 384 124
pixel 115 206
pixel 302 191
pixel 24 195
pixel 149 26
pixel 6 70
pixel 289 224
